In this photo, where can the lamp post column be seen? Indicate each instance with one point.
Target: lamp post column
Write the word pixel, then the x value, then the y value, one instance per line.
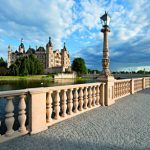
pixel 106 75
pixel 105 59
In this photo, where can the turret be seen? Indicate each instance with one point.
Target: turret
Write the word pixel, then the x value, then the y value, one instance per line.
pixel 9 56
pixel 21 47
pixel 49 54
pixel 49 44
pixel 65 57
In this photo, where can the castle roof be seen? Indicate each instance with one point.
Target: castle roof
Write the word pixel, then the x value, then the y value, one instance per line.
pixel 41 49
pixel 30 51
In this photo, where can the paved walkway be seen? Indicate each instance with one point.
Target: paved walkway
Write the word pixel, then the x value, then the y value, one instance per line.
pixel 123 126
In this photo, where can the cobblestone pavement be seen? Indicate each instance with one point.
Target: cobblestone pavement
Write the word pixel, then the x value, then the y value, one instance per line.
pixel 122 126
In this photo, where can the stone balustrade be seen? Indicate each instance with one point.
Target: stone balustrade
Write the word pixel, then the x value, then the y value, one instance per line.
pixel 138 84
pixel 9 120
pixel 122 88
pixel 129 86
pixel 63 102
pixel 39 108
pixel 147 82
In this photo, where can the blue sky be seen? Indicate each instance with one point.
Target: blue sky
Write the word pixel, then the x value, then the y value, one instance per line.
pixel 77 23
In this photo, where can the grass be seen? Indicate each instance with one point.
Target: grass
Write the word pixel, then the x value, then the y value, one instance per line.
pixel 31 77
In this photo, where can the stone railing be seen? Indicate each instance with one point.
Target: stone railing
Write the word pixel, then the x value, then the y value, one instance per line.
pixel 129 86
pixel 33 110
pixel 122 88
pixel 46 106
pixel 11 117
pixel 147 82
pixel 138 84
pixel 64 102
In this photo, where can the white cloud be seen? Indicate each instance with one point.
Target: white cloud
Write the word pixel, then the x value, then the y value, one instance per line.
pixel 36 20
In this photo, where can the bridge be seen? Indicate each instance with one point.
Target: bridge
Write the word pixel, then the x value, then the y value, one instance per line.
pixel 124 125
pixel 48 115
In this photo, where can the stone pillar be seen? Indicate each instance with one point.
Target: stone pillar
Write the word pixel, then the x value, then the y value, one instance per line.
pixel 143 82
pixel 105 59
pixel 132 86
pixel 109 92
pixel 106 75
pixel 102 94
pixel 37 114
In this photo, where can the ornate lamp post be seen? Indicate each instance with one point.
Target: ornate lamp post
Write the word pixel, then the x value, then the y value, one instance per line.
pixel 106 73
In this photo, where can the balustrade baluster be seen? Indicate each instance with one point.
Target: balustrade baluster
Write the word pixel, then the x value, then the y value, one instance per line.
pixel 70 104
pixel 93 96
pixel 22 114
pixel 97 95
pixel 49 106
pixel 0 126
pixel 89 97
pixel 75 100
pixel 116 89
pixel 80 99
pixel 9 121
pixel 64 103
pixel 56 104
pixel 85 98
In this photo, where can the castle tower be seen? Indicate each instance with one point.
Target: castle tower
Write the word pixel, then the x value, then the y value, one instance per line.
pixel 9 56
pixel 65 59
pixel 49 54
pixel 21 47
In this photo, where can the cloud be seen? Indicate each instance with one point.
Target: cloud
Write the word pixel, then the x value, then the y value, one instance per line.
pixel 78 23
pixel 36 20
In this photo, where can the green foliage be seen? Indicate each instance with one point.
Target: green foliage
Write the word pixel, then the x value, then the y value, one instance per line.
pixel 90 71
pixel 14 70
pixel 79 66
pixel 140 71
pixel 26 66
pixel 3 67
pixel 3 63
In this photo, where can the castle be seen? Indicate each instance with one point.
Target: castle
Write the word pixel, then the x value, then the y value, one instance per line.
pixel 53 61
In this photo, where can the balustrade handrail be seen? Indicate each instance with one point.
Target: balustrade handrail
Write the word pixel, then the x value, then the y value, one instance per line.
pixel 44 89
pixel 137 79
pixel 13 93
pixel 73 86
pixel 122 80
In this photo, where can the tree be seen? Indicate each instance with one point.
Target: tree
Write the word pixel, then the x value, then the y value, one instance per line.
pixel 14 70
pixel 79 66
pixel 26 66
pixel 3 67
pixel 140 71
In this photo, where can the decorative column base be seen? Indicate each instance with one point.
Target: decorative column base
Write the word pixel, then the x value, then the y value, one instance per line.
pixel 109 88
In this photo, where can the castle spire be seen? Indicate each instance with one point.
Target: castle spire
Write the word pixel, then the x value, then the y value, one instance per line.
pixel 21 40
pixel 9 47
pixel 65 46
pixel 49 44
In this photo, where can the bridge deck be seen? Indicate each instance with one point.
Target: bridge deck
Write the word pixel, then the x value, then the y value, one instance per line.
pixel 124 125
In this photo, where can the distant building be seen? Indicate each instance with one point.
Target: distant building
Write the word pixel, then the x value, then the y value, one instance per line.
pixel 53 61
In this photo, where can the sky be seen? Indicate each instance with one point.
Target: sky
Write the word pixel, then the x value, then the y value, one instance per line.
pixel 77 22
